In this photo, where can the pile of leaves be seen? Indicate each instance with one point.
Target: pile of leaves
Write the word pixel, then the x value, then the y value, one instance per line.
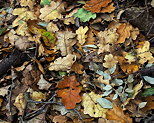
pixel 87 63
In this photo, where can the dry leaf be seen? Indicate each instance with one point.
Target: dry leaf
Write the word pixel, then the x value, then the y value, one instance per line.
pixel 29 3
pixel 43 84
pixel 117 114
pixel 69 92
pixel 63 64
pixel 4 90
pixel 77 68
pixel 52 12
pixel 20 103
pixel 110 61
pixel 65 42
pixel 142 47
pixel 90 38
pixel 81 34
pixel 21 21
pixel 37 96
pixel 99 6
pixel 134 33
pixel 103 48
pixel 91 107
pixel 124 32
pixel 52 27
pixel 60 119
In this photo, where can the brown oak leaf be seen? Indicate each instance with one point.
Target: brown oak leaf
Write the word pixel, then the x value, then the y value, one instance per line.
pixel 99 6
pixel 69 91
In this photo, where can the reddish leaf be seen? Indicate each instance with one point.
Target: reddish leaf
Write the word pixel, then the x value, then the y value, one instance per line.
pixel 69 92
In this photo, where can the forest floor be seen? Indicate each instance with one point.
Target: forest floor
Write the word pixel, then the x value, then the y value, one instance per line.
pixel 76 61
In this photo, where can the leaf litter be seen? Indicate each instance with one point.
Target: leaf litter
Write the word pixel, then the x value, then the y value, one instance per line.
pixel 75 71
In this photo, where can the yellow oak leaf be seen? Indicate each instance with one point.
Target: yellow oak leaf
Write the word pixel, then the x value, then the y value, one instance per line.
pixel 142 47
pixel 134 33
pixel 81 34
pixel 63 64
pixel 65 42
pixel 21 21
pixel 52 27
pixel 110 61
pixel 91 107
pixel 52 12
pixel 29 3
pixel 37 96
pixel 144 57
pixel 103 48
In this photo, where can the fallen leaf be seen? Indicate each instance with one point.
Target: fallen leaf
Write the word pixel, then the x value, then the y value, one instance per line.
pixel 110 61
pixel 63 64
pixel 134 33
pixel 4 90
pixel 117 114
pixel 65 42
pixel 69 92
pixel 52 27
pixel 43 84
pixel 91 106
pixel 77 68
pixel 29 3
pixel 124 32
pixel 60 119
pixel 84 15
pixel 21 21
pixel 90 38
pixel 150 103
pixel 45 2
pixel 142 47
pixel 99 6
pixel 37 96
pixel 52 12
pixel 20 103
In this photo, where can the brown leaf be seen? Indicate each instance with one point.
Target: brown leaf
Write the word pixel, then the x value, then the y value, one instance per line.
pixel 150 103
pixel 124 32
pixel 60 119
pixel 117 114
pixel 98 6
pixel 69 92
pixel 77 68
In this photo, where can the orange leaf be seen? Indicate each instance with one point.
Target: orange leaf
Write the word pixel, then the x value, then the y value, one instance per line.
pixel 124 32
pixel 117 114
pixel 99 6
pixel 69 92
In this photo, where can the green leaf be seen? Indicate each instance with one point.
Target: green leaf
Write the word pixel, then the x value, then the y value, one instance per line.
pixel 48 36
pixel 2 30
pixel 62 73
pixel 104 103
pixel 45 2
pixel 148 92
pixel 84 15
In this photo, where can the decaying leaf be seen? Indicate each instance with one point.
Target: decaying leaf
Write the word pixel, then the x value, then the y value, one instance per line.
pixel 60 119
pixel 91 107
pixel 99 6
pixel 81 34
pixel 4 90
pixel 65 42
pixel 52 27
pixel 52 12
pixel 29 3
pixel 63 64
pixel 69 91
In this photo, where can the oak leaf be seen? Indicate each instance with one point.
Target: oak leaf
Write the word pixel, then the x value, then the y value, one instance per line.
pixel 91 106
pixel 90 38
pixel 124 30
pixel 29 3
pixel 117 114
pixel 98 6
pixel 69 91
pixel 65 42
pixel 63 64
pixel 52 12
pixel 21 21
pixel 77 68
pixel 81 34
pixel 110 61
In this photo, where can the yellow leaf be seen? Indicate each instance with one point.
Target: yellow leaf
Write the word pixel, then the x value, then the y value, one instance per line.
pixel 52 27
pixel 144 57
pixel 29 3
pixel 110 61
pixel 91 107
pixel 65 42
pixel 81 34
pixel 143 47
pixel 52 12
pixel 37 96
pixel 20 103
pixel 63 64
